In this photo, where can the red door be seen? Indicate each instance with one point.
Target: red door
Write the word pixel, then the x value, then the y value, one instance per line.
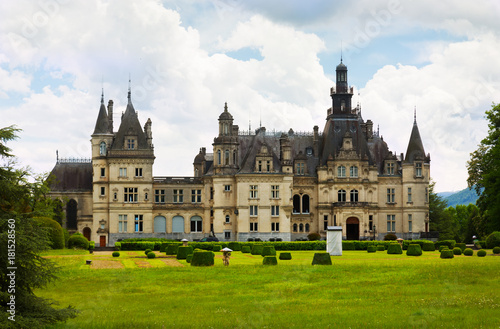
pixel 102 241
pixel 86 233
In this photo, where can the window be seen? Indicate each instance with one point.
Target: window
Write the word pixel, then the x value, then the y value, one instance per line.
pixel 341 194
pixel 130 144
pixel 138 223
pixel 341 171
pixel 259 166
pixel 390 168
pixel 130 194
pixel 196 196
pixel 354 195
pixel 253 191
pixel 212 193
pixel 353 171
pixel 301 227
pixel 305 204
pixel 426 194
pixel 307 227
pixel 296 204
pixel 228 219
pixel 103 172
pixel 177 224
pixel 370 222
pixel 122 223
pixel 234 157
pixel 115 196
pixel 254 211
pixel 300 168
pixel 227 235
pixel 123 172
pixel 409 195
pixel 325 222
pixel 275 191
pixel 275 211
pixel 227 188
pixel 226 157
pixel 275 227
pixel 102 148
pixel 391 223
pixel 391 195
pixel 196 224
pixel 178 196
pixel 268 166
pixel 103 191
pixel 138 172
pixel 254 227
pixel 159 196
pixel 418 169
pixel 295 227
pixel 410 223
pixel 219 157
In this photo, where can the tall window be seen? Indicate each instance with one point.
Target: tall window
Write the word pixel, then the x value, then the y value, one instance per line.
pixel 234 157
pixel 196 196
pixel 102 148
pixel 196 224
pixel 410 223
pixel 370 222
pixel 275 211
pixel 295 227
pixel 353 171
pixel 138 172
pixel 122 223
pixel 409 195
pixel 418 169
pixel 307 227
pixel 300 168
pixel 254 193
pixel 159 196
pixel 259 166
pixel 296 204
pixel 275 226
pixel 268 166
pixel 341 194
pixel 354 195
pixel 226 157
pixel 275 191
pixel 391 195
pixel 254 211
pixel 130 194
pixel 301 227
pixel 325 222
pixel 341 171
pixel 103 191
pixel 219 157
pixel 426 194
pixel 123 172
pixel 138 219
pixel 390 168
pixel 103 172
pixel 391 223
pixel 305 204
pixel 228 219
pixel 254 227
pixel 178 196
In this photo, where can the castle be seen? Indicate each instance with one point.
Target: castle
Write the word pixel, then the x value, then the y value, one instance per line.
pixel 253 185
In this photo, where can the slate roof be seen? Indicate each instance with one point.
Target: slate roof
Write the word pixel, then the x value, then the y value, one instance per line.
pixel 75 177
pixel 415 146
pixel 102 124
pixel 130 126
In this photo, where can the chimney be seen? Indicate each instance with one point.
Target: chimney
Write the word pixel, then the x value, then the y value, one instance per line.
pixel 110 115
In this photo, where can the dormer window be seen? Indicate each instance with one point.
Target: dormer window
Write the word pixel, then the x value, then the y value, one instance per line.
pixel 299 168
pixel 102 148
pixel 390 168
pixel 130 143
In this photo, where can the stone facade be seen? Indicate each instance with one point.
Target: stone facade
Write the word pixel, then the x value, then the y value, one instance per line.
pixel 253 184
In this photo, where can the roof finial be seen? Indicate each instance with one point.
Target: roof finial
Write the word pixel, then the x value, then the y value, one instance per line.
pixel 341 51
pixel 415 115
pixel 102 96
pixel 225 107
pixel 129 90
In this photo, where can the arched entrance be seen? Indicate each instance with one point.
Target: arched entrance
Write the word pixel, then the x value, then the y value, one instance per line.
pixel 86 232
pixel 352 228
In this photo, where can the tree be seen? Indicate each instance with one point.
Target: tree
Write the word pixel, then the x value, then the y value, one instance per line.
pixel 439 219
pixel 22 269
pixel 484 172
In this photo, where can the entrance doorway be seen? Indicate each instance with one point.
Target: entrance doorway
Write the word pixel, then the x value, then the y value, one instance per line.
pixel 352 228
pixel 86 233
pixel 102 241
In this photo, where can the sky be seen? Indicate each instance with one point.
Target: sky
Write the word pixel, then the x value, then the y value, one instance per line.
pixel 273 62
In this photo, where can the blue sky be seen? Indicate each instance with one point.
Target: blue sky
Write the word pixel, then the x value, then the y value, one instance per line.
pixel 272 61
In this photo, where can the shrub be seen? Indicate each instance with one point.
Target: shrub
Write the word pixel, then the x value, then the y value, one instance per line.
pixel 493 240
pixel 371 249
pixel 447 253
pixel 457 251
pixel 189 258
pixel 449 243
pixel 147 251
pixel 268 251
pixel 269 260
pixel 428 246
pixel 441 248
pixel 414 250
pixel 172 249
pixel 322 258
pixel 394 249
pixel 234 246
pixel 390 237
pixel 481 253
pixel 285 256
pixel 496 250
pixel 348 245
pixel 116 254
pixel 313 236
pixel 380 247
pixel 55 232
pixel 482 244
pixel 461 246
pixel 245 249
pixel 118 246
pixel 151 254
pixel 78 241
pixel 257 249
pixel 91 245
pixel 202 258
pixel 217 247
pixel 468 252
pixel 182 252
pixel 163 246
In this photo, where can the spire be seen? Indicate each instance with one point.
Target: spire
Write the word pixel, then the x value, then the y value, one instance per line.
pixel 129 90
pixel 415 148
pixel 102 123
pixel 102 96
pixel 415 115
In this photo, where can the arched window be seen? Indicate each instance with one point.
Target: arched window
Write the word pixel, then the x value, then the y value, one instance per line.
pixel 234 157
pixel 305 204
pixel 196 224
pixel 354 195
pixel 296 204
pixel 160 224
pixel 341 171
pixel 219 158
pixel 301 227
pixel 353 171
pixel 307 227
pixel 71 214
pixel 226 157
pixel 341 196
pixel 102 148
pixel 295 227
pixel 225 129
pixel 228 219
pixel 178 224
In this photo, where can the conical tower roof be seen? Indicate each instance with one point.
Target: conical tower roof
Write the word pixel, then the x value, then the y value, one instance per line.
pixel 102 123
pixel 415 146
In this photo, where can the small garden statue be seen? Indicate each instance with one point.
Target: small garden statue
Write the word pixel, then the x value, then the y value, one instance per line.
pixel 184 242
pixel 226 252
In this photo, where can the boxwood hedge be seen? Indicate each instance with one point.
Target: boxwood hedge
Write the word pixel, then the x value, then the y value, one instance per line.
pixel 245 249
pixel 446 253
pixel 182 252
pixel 394 249
pixel 481 253
pixel 457 251
pixel 268 251
pixel 202 258
pixel 285 256
pixel 371 249
pixel 414 250
pixel 468 252
pixel 269 260
pixel 322 258
pixel 257 249
pixel 78 241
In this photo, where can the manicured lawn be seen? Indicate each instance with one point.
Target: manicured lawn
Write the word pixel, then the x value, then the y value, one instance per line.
pixel 360 290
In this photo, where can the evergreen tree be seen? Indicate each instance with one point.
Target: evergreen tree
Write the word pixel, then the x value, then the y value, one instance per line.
pixel 439 219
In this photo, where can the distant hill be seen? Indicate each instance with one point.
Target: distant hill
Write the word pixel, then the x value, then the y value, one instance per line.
pixel 463 197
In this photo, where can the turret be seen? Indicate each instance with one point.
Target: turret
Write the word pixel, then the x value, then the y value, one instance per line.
pixel 341 94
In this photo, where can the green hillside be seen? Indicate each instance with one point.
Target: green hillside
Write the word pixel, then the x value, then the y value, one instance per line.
pixel 463 197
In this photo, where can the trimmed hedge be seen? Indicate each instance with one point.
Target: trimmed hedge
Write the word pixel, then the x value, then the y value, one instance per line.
pixel 189 257
pixel 55 232
pixel 493 240
pixel 268 251
pixel 202 258
pixel 348 245
pixel 449 243
pixel 390 237
pixel 285 256
pixel 496 250
pixel 381 247
pixel 217 247
pixel 118 246
pixel 414 250
pixel 151 254
pixel 322 258
pixel 481 253
pixel 371 249
pixel 147 251
pixel 461 246
pixel 172 249
pixel 269 260
pixel 245 249
pixel 234 246
pixel 182 252
pixel 457 251
pixel 468 252
pixel 441 248
pixel 78 241
pixel 394 249
pixel 257 249
pixel 116 254
pixel 428 246
pixel 446 253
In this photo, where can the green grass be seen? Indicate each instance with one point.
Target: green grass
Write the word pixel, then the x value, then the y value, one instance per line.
pixel 360 290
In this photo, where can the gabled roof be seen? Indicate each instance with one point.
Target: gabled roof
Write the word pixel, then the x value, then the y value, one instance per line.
pixel 130 126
